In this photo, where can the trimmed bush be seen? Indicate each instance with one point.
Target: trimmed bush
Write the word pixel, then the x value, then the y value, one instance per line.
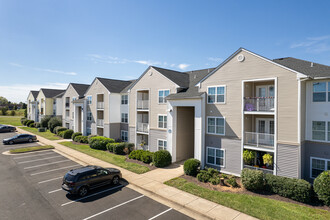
pixel 77 139
pixel 252 179
pixel 60 133
pixel 29 122
pixel 110 147
pixel 59 129
pixel 146 156
pixel 162 158
pixel 31 125
pixel 232 181
pixel 23 120
pixel 214 180
pixel 84 139
pixel 44 121
pixel 296 189
pixel 135 154
pixel 129 148
pixel 204 176
pixel 191 167
pixel 100 142
pixel 37 124
pixel 75 135
pixel 117 148
pixel 322 187
pixel 67 134
pixel 53 123
pixel 90 136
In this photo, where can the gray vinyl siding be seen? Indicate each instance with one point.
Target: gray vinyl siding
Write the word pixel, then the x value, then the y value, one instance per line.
pixel 123 126
pixel 106 130
pixel 131 135
pixel 154 135
pixel 115 130
pixel 232 148
pixel 287 160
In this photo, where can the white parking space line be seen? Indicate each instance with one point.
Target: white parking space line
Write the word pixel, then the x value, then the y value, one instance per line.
pixel 113 207
pixel 45 164
pixel 160 214
pixel 64 204
pixel 47 171
pixel 56 190
pixel 46 181
pixel 33 155
pixel 29 161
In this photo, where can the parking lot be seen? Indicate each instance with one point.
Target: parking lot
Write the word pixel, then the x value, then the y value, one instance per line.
pixel 38 176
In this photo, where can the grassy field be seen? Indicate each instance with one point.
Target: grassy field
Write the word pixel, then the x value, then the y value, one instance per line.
pixel 117 160
pixel 30 149
pixel 19 113
pixel 48 135
pixel 256 206
pixel 10 120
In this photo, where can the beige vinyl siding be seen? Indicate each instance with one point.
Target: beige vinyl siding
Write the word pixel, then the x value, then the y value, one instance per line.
pixel 232 74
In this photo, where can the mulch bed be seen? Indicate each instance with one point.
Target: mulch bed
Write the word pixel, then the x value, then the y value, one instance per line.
pixel 242 190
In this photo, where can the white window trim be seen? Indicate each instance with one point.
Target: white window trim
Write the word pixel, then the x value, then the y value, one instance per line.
pixel 163 143
pixel 225 95
pixel 207 125
pixel 121 118
pixel 326 132
pixel 163 121
pixel 327 91
pixel 162 103
pixel 224 157
pixel 317 158
pixel 88 100
pixel 121 134
pixel 121 99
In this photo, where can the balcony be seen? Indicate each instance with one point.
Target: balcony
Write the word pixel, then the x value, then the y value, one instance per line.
pixel 259 104
pixel 100 105
pixel 265 170
pixel 142 104
pixel 259 140
pixel 100 122
pixel 142 127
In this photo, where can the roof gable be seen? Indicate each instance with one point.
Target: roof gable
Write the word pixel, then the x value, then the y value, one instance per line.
pixel 80 88
pixel 50 93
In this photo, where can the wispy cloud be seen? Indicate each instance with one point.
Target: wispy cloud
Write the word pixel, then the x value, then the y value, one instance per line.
pixel 43 69
pixel 183 66
pixel 314 44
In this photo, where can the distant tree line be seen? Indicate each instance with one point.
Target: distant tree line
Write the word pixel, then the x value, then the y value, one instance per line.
pixel 6 106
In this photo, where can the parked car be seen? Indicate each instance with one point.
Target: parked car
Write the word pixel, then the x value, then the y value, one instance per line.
pixel 81 180
pixel 5 128
pixel 20 138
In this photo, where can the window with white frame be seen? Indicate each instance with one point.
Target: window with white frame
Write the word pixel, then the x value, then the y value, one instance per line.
pixel 124 135
pixel 216 125
pixel 320 92
pixel 89 116
pixel 89 100
pixel 216 94
pixel 74 98
pixel 124 99
pixel 88 131
pixel 162 95
pixel 162 121
pixel 318 130
pixel 318 165
pixel 124 117
pixel 162 145
pixel 215 156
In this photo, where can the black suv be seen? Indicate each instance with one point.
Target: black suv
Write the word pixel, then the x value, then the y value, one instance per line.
pixel 80 181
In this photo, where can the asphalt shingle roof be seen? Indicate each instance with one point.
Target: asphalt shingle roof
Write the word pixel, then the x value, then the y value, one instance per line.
pixel 80 88
pixel 180 78
pixel 50 93
pixel 113 85
pixel 35 94
pixel 59 95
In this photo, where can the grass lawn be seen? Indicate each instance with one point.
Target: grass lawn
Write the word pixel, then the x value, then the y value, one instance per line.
pixel 48 135
pixel 256 206
pixel 11 120
pixel 117 160
pixel 17 112
pixel 29 149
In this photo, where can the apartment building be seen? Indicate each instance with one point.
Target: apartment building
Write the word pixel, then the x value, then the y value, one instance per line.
pixel 73 92
pixel 45 100
pixel 32 106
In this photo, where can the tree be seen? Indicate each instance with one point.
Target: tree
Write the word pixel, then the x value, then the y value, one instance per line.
pixel 4 110
pixel 12 113
pixel 25 113
pixel 3 101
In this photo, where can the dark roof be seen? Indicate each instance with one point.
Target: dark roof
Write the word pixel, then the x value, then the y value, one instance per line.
pixel 50 93
pixel 179 78
pixel 59 95
pixel 34 94
pixel 80 88
pixel 113 85
pixel 125 90
pixel 308 68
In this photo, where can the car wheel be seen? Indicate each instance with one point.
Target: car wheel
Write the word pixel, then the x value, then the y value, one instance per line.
pixel 115 180
pixel 30 140
pixel 83 191
pixel 11 142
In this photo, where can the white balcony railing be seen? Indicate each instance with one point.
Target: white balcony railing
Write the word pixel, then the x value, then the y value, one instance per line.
pixel 100 105
pixel 100 122
pixel 259 139
pixel 142 127
pixel 259 104
pixel 143 104
pixel 259 168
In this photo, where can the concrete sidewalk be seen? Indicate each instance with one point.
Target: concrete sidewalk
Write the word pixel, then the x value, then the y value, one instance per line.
pixel 151 184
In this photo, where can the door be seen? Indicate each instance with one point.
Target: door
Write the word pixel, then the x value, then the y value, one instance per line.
pixel 265 131
pixel 266 96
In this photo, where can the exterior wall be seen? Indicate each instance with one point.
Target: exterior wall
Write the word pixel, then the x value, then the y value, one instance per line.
pixel 40 97
pixel 154 135
pixel 69 93
pixel 131 135
pixel 115 130
pixel 30 111
pixel 59 107
pixel 49 106
pixel 123 126
pixel 288 161
pixel 114 108
pixel 232 151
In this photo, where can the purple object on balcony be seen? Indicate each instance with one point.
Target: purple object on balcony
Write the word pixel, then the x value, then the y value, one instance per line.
pixel 249 107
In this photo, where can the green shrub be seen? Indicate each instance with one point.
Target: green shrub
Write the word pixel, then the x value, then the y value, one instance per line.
pixel 53 123
pixel 223 175
pixel 129 147
pixel 60 133
pixel 248 156
pixel 12 113
pixel 296 189
pixel 4 110
pixel 44 121
pixel 191 167
pixel 75 135
pixel 67 134
pixel 84 139
pixel 252 179
pixel 110 147
pixel 59 129
pixel 37 124
pixel 41 129
pixel 100 142
pixel 25 113
pixel 23 120
pixel 77 139
pixel 31 125
pixel 146 156
pixel 203 176
pixel 29 122
pixel 213 172
pixel 119 148
pixel 214 180
pixel 162 158
pixel 232 181
pixel 322 187
pixel 90 136
pixel 136 154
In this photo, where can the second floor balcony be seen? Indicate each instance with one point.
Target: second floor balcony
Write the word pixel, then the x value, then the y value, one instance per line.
pixel 142 104
pixel 142 127
pixel 259 140
pixel 100 105
pixel 259 104
pixel 100 122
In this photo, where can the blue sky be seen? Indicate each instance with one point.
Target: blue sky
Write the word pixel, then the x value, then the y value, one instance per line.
pixel 52 43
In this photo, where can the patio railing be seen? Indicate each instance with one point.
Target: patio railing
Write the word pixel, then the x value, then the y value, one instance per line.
pixel 259 104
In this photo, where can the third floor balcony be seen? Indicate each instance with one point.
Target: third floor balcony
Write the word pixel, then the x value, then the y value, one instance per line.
pixel 259 140
pixel 142 127
pixel 259 104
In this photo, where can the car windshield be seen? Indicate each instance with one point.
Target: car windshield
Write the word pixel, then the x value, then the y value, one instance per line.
pixel 69 177
pixel 16 136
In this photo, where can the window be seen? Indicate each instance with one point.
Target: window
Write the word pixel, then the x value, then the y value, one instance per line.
pixel 89 116
pixel 88 131
pixel 216 125
pixel 216 94
pixel 124 117
pixel 74 98
pixel 124 136
pixel 124 99
pixel 215 156
pixel 162 121
pixel 318 130
pixel 319 92
pixel 162 145
pixel 162 94
pixel 67 113
pixel 89 100
pixel 318 165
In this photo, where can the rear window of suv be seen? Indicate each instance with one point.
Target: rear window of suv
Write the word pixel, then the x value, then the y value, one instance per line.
pixel 69 177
